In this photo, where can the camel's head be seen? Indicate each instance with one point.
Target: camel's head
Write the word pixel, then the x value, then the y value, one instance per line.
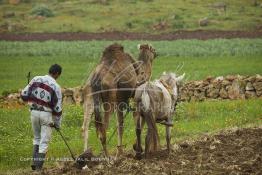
pixel 147 52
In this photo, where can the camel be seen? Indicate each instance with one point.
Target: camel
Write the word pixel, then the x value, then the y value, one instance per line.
pixel 155 103
pixel 112 84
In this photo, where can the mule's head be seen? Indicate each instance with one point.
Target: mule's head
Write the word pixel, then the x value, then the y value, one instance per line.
pixel 147 52
pixel 172 82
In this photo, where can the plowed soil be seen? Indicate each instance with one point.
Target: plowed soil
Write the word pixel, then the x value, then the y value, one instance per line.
pixel 237 151
pixel 199 34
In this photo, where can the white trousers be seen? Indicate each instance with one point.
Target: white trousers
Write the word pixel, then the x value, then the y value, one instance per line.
pixel 42 131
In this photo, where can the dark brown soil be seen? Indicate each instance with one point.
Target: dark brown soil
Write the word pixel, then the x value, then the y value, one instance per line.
pixel 199 34
pixel 230 152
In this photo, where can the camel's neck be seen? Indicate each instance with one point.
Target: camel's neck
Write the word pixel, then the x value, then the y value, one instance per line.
pixel 143 57
pixel 144 60
pixel 145 68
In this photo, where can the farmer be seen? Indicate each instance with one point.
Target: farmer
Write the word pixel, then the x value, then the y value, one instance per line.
pixel 44 96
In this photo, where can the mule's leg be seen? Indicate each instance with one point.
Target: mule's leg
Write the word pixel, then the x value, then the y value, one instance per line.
pixel 168 135
pixel 88 110
pixel 147 139
pixel 138 146
pixel 139 122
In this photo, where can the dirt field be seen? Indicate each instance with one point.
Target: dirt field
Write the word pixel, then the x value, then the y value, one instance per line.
pixel 231 152
pixel 203 35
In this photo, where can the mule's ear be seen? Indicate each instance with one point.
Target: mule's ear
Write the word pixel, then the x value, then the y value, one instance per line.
pixel 138 46
pixel 180 78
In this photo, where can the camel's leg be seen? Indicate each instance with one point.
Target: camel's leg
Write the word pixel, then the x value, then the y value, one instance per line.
pixel 109 104
pixel 108 110
pixel 88 110
pixel 120 127
pixel 102 137
pixel 109 98
pixel 136 118
pixel 168 135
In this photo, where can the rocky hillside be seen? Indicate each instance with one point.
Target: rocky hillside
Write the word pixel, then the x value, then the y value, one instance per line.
pixel 142 16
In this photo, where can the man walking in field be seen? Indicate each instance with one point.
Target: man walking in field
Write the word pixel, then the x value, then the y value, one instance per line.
pixel 44 96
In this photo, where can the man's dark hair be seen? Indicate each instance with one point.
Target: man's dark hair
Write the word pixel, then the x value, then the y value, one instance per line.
pixel 54 69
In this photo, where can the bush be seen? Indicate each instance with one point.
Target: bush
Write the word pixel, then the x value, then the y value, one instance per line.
pixel 42 10
pixel 178 24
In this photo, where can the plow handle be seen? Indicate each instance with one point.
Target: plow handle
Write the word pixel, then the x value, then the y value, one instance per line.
pixel 72 155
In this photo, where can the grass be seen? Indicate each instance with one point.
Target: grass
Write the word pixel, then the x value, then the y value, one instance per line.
pixel 192 120
pixel 198 59
pixel 132 16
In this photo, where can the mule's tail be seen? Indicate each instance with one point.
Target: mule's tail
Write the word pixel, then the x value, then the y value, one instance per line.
pixel 96 90
pixel 152 138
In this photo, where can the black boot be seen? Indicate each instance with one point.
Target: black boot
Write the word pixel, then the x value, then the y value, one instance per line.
pixel 35 155
pixel 40 161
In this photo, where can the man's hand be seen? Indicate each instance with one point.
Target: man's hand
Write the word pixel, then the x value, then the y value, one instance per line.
pixel 54 125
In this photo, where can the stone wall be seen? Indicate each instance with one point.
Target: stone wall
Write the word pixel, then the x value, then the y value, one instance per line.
pixel 229 87
pixel 72 95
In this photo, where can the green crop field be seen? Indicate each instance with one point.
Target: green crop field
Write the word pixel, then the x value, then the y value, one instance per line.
pixel 198 59
pixel 151 16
